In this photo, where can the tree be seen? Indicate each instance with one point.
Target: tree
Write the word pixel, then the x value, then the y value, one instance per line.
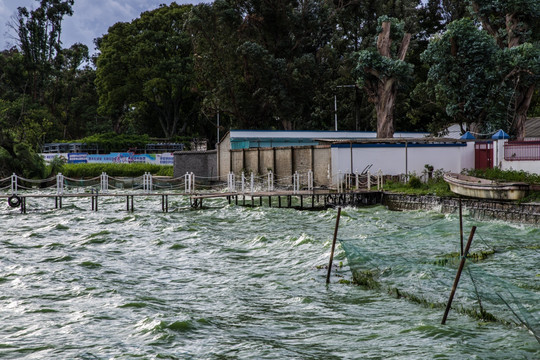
pixel 464 76
pixel 145 71
pixel 379 71
pixel 515 26
pixel 38 34
pixel 265 64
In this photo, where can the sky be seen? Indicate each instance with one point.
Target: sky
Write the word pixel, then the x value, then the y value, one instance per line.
pixel 91 18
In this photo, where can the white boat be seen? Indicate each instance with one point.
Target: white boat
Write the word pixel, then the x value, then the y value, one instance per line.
pixel 486 189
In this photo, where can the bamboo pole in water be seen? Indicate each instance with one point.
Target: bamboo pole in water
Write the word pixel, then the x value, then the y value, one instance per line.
pixel 458 275
pixel 333 246
pixel 461 226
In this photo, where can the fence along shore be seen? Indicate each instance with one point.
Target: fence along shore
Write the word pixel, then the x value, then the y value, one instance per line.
pixel 297 191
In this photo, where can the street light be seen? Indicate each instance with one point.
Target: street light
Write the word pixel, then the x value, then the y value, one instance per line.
pixel 335 102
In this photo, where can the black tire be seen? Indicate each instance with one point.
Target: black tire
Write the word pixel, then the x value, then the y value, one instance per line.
pixel 14 201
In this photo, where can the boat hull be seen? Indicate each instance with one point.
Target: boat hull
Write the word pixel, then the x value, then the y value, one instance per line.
pixel 485 189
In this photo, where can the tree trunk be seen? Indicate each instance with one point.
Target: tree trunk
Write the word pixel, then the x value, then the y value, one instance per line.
pixel 523 101
pixel 386 90
pixel 385 108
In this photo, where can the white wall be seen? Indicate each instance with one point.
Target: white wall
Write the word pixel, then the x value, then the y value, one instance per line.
pixel 401 160
pixel 530 166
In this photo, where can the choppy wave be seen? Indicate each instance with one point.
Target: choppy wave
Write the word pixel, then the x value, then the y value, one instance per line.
pixel 229 282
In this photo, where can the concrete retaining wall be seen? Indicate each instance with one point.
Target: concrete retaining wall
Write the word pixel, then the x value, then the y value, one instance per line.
pixel 283 161
pixel 478 209
pixel 202 163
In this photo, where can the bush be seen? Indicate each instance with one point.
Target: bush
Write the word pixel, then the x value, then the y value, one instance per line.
pixel 116 170
pixel 415 182
pixel 505 175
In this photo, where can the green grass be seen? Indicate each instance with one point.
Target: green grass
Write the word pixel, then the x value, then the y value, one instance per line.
pixel 117 170
pixel 437 187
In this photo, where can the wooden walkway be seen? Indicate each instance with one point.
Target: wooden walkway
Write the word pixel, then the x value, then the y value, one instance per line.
pixel 301 200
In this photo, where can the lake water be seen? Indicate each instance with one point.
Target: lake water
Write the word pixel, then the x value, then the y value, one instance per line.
pixel 229 282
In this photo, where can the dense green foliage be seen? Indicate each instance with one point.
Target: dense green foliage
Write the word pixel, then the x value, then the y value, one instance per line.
pixel 505 175
pixel 463 77
pixel 112 142
pixel 80 171
pixel 436 186
pixel 145 71
pixel 264 64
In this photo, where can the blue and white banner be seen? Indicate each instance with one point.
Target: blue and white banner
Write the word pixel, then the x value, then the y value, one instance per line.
pixel 112 158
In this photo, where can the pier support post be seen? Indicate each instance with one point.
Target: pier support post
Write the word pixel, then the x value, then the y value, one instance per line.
pixel 23 204
pixel 165 203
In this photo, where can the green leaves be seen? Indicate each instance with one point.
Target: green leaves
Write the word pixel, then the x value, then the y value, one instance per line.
pixel 464 74
pixel 145 72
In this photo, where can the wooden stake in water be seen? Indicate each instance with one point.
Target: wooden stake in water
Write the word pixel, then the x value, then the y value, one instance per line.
pixel 461 226
pixel 333 246
pixel 458 275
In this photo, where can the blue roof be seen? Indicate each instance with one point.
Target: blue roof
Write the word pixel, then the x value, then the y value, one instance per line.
pixel 467 136
pixel 500 135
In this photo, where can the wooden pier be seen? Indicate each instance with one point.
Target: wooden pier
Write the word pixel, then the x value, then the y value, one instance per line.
pixel 301 200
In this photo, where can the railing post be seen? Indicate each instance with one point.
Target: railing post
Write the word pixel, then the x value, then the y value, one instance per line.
pixel 380 185
pixel 368 180
pixel 243 182
pixel 270 181
pixel 147 182
pixel 340 184
pixel 104 182
pixel 310 180
pixel 59 184
pixel 187 183
pixel 14 184
pixel 192 182
pixel 252 182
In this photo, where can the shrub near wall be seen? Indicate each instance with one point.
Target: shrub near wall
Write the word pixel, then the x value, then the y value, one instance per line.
pixel 78 171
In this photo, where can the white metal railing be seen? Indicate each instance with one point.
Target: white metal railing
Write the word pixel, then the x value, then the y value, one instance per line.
pixel 296 182
pixel 60 184
pixel 231 183
pixel 104 181
pixel 147 182
pixel 270 180
pixel 189 182
pixel 14 184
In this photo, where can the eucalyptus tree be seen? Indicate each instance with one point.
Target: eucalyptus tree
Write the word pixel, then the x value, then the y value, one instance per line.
pixel 145 72
pixel 381 70
pixel 39 39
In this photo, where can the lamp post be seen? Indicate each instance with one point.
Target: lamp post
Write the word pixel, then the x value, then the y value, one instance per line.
pixel 335 103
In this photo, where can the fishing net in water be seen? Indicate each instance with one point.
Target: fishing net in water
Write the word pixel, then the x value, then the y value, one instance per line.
pixel 428 280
